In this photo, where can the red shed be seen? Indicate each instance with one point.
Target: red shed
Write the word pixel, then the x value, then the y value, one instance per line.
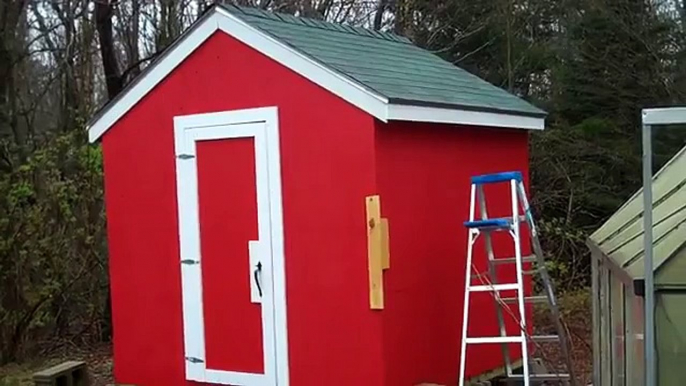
pixel 285 200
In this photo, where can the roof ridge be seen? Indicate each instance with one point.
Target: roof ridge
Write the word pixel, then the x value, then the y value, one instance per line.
pixel 316 23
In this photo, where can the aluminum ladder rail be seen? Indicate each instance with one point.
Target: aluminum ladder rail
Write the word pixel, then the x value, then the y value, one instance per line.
pixel 487 225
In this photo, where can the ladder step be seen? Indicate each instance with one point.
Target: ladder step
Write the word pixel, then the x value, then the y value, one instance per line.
pixel 491 223
pixel 487 276
pixel 528 299
pixel 494 339
pixel 541 377
pixel 506 260
pixel 494 287
pixel 545 338
pixel 497 177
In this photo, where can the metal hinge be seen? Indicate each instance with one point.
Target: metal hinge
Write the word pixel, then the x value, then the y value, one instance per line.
pixel 194 360
pixel 190 261
pixel 185 156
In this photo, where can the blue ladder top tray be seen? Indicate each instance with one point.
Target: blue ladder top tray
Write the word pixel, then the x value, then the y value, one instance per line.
pixel 497 177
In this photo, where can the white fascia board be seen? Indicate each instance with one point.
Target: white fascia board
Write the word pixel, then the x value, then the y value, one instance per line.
pixel 664 116
pixel 355 94
pixel 153 76
pixel 463 117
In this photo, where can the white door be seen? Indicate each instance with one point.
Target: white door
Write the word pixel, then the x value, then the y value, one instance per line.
pixel 231 247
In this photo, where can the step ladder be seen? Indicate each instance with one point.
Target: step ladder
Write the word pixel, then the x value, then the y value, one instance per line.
pixel 521 214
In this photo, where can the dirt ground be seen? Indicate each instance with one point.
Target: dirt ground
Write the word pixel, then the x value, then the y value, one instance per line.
pixel 576 309
pixel 577 315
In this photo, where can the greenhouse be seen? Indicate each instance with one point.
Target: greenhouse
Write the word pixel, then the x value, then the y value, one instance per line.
pixel 618 285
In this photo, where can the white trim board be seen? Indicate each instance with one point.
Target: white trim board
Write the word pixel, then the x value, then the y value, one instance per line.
pixel 463 117
pixel 664 116
pixel 354 93
pixel 261 124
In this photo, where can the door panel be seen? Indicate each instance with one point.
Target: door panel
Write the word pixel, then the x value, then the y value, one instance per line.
pixel 231 247
pixel 227 204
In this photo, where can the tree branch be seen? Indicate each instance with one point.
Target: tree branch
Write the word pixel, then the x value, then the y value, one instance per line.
pixel 134 66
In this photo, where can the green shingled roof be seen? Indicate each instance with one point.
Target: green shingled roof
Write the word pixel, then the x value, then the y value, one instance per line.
pixel 386 64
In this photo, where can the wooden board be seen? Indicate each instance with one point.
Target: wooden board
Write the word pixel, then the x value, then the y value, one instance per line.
pixel 375 252
pixel 385 253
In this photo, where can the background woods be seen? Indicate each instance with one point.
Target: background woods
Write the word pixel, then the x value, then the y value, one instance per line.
pixel 591 63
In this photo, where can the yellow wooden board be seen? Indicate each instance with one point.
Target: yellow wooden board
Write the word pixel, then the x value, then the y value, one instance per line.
pixel 375 252
pixel 385 253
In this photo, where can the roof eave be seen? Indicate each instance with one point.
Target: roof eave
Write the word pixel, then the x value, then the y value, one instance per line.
pixel 532 112
pixel 459 115
pixel 610 263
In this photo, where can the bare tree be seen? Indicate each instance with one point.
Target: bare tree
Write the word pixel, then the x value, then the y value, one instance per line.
pixel 378 16
pixel 104 10
pixel 10 17
pixel 128 28
pixel 680 5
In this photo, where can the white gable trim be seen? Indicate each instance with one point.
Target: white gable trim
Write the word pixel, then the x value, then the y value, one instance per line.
pixel 463 117
pixel 153 76
pixel 367 100
pixel 357 95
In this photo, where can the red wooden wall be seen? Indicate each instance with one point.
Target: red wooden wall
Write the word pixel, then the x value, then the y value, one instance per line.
pixel 333 155
pixel 423 175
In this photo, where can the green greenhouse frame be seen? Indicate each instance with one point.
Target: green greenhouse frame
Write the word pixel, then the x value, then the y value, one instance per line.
pixel 624 322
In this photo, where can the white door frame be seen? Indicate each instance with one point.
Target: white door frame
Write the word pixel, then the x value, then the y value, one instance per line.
pixel 262 125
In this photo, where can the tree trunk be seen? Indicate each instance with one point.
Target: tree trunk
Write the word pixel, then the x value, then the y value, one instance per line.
pixel 10 16
pixel 403 18
pixel 378 16
pixel 132 41
pixel 103 23
pixel 169 24
pixel 115 83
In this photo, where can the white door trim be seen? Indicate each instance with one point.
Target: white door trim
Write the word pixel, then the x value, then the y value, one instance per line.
pixel 262 124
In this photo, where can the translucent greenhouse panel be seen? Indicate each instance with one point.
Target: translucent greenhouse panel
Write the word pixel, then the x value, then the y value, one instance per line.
pixel 670 315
